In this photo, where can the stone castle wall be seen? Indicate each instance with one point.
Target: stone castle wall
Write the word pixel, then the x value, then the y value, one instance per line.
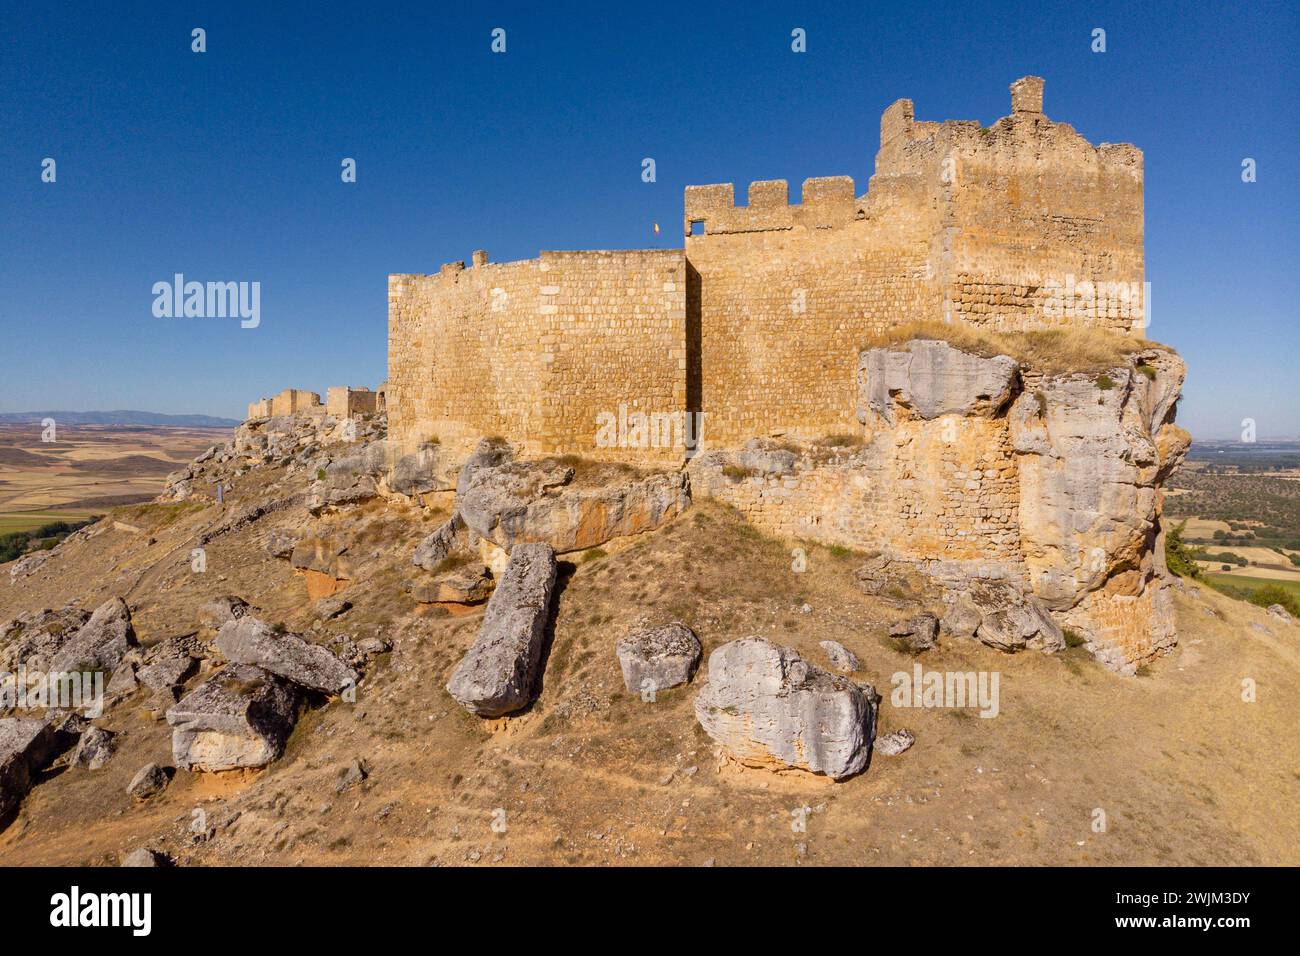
pixel 758 321
pixel 536 351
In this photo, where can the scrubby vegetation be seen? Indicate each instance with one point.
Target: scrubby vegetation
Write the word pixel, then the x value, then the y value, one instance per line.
pixel 17 543
pixel 1051 350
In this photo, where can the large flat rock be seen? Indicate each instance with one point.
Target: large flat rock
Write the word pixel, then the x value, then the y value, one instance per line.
pixel 499 673
pixel 248 640
pixel 239 717
pixel 768 707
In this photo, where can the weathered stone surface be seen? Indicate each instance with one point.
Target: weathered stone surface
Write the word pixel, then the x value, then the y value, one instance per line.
pixel 320 554
pixel 768 707
pixel 32 639
pixel 435 548
pixel 514 502
pixel 466 585
pixel 144 857
pixel 27 745
pixel 918 633
pixel 331 607
pixel 928 378
pixel 94 748
pixel 280 543
pixel 123 682
pixel 100 643
pixel 250 641
pixel 842 659
pixel 239 717
pixel 765 457
pixel 167 671
pixel 418 472
pixel 1281 613
pixel 1008 619
pixel 499 673
pixel 149 781
pixel 227 607
pixel 891 745
pixel 657 658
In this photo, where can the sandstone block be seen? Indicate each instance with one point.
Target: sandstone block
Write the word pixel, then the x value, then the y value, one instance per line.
pixel 657 658
pixel 239 717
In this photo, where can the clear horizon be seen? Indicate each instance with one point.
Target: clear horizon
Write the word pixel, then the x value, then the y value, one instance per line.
pixel 225 166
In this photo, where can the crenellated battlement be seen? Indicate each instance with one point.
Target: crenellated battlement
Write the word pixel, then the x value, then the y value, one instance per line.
pixel 828 201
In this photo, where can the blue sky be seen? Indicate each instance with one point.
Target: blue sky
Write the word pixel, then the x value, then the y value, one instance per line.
pixel 225 165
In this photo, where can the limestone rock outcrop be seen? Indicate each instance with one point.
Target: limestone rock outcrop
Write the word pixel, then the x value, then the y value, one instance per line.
pixel 508 501
pixel 927 378
pixel 768 707
pixel 499 673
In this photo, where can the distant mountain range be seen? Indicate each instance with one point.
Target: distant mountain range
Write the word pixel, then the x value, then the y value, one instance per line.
pixel 122 417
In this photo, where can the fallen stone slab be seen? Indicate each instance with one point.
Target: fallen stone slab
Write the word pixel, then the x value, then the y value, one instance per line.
pixel 250 641
pixel 27 745
pixel 239 717
pixel 657 658
pixel 768 707
pixel 499 673
pixel 100 643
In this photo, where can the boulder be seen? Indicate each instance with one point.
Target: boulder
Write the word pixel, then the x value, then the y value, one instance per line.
pixel 150 780
pixel 467 585
pixel 239 717
pixel 280 543
pixel 227 607
pixel 27 745
pixel 768 707
pixel 657 658
pixel 891 745
pixel 1009 619
pixel 144 857
pixel 433 550
pixel 94 748
pixel 928 378
pixel 842 659
pixel 100 643
pixel 32 639
pixel 499 673
pixel 250 641
pixel 331 607
pixel 919 633
pixel 1279 612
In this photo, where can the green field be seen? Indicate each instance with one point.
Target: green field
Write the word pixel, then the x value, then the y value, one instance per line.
pixel 11 521
pixel 1251 584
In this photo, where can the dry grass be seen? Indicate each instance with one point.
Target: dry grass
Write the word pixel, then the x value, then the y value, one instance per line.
pixel 1049 350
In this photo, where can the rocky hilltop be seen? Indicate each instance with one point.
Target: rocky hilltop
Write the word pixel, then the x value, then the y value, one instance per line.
pixel 318 646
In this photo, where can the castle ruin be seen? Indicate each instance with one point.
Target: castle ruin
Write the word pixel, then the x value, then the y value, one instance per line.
pixel 757 321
